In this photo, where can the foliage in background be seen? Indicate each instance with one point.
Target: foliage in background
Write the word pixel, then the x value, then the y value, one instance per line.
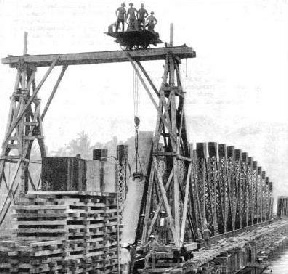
pixel 82 145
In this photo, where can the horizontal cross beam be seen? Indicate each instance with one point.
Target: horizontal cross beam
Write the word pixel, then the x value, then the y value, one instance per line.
pixel 100 57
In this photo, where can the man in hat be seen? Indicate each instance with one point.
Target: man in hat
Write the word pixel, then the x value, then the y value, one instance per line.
pixel 121 16
pixel 151 21
pixel 142 15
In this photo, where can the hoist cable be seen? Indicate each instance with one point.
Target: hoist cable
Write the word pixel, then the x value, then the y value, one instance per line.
pixel 136 117
pixel 135 94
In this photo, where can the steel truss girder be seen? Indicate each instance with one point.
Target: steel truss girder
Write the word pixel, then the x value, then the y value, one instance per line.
pixel 223 199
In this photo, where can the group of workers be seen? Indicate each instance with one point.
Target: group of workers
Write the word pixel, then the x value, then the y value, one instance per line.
pixel 136 19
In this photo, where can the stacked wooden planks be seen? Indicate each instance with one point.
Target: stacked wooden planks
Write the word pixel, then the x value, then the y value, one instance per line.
pixel 84 223
pixel 31 256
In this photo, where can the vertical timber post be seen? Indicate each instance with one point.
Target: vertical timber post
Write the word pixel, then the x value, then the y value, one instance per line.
pixel 171 34
pixel 25 51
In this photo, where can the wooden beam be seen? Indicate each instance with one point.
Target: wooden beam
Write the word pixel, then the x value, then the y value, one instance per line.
pixel 53 92
pixel 148 204
pixel 185 205
pixel 100 57
pixel 148 78
pixel 25 51
pixel 142 80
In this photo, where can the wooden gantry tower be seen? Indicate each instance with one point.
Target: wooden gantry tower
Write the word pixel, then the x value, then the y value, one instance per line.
pixel 168 186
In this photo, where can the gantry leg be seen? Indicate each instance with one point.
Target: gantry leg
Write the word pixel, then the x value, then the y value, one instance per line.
pixel 170 176
pixel 24 126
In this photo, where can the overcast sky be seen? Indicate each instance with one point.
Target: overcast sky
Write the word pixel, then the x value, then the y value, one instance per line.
pixel 236 87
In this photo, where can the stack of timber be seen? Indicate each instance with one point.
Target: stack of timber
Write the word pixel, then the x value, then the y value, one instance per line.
pixel 31 256
pixel 83 224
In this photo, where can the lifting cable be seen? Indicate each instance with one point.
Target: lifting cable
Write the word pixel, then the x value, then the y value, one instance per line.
pixel 136 119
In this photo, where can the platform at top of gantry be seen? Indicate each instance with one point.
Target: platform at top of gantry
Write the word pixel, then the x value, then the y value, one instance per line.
pixel 100 57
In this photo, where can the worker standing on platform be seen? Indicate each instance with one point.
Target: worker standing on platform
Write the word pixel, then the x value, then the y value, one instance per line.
pixel 151 21
pixel 142 15
pixel 131 18
pixel 121 16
